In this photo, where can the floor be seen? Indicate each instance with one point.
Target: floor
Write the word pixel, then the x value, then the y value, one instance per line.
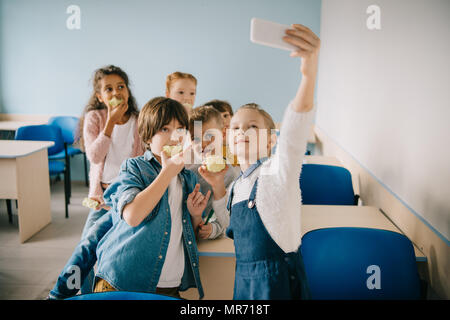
pixel 28 271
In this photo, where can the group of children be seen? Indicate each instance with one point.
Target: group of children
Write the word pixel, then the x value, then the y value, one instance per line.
pixel 152 206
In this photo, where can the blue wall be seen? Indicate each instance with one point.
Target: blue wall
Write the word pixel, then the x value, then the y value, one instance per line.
pixel 46 68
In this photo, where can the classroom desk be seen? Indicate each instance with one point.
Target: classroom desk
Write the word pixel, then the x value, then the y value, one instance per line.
pixel 7 125
pixel 217 261
pixel 25 177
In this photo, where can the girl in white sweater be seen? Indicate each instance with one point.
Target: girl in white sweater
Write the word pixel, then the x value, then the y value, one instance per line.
pixel 262 207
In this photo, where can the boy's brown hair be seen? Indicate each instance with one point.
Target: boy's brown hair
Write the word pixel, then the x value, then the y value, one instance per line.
pixel 171 78
pixel 157 113
pixel 267 118
pixel 204 114
pixel 220 105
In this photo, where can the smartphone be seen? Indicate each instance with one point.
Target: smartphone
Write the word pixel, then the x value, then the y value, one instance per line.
pixel 270 34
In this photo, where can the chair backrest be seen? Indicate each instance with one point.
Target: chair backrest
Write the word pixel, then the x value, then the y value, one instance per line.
pixel 68 125
pixel 360 263
pixel 42 133
pixel 122 295
pixel 326 185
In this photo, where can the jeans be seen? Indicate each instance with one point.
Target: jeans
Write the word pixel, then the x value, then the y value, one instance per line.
pixel 80 264
pixel 93 216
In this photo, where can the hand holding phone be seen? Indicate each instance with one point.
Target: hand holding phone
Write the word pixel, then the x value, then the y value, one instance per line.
pixel 269 34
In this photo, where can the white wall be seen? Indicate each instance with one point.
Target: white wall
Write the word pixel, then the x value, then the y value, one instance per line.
pixel 383 96
pixel 45 68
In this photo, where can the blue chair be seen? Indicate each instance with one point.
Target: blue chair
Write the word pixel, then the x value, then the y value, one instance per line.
pixel 360 264
pixel 326 185
pixel 122 295
pixel 49 133
pixel 68 127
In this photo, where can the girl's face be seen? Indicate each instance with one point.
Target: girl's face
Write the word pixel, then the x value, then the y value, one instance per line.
pixel 111 86
pixel 248 137
pixel 171 134
pixel 183 91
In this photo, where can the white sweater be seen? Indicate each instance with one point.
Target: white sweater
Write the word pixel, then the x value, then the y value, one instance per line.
pixel 278 197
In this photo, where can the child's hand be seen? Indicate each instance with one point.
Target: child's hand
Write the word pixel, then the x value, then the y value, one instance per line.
pixel 175 164
pixel 213 178
pixel 196 202
pixel 308 45
pixel 101 204
pixel 115 114
pixel 204 230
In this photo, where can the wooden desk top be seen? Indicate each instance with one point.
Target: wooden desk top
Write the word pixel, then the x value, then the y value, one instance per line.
pixel 318 217
pixel 14 125
pixel 21 148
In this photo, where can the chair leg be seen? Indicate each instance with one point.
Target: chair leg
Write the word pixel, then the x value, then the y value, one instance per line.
pixel 85 170
pixel 67 160
pixel 9 209
pixel 69 178
pixel 66 192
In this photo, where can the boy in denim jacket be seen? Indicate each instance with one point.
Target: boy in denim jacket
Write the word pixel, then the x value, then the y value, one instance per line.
pixel 156 206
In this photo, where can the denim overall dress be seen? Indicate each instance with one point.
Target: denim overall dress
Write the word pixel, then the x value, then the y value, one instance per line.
pixel 263 270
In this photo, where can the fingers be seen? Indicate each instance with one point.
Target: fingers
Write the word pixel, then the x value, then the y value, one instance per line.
pixel 202 170
pixel 194 192
pixel 185 150
pixel 298 42
pixel 179 158
pixel 197 199
pixel 164 157
pixel 104 206
pixel 206 198
pixel 201 200
pixel 307 31
pixel 303 38
pixel 302 35
pixel 204 231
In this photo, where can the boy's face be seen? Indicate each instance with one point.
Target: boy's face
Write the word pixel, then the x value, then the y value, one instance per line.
pixel 226 117
pixel 171 134
pixel 212 136
pixel 248 137
pixel 183 91
pixel 111 86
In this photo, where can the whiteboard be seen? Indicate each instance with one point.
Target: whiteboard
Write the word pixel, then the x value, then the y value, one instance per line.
pixel 384 97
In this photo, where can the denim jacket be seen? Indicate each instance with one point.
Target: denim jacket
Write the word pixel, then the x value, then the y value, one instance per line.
pixel 131 258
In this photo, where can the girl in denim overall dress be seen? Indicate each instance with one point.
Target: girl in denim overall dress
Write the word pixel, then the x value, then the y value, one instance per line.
pixel 263 210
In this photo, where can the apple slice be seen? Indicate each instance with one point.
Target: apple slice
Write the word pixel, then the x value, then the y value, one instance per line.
pixel 172 150
pixel 90 203
pixel 214 163
pixel 114 102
